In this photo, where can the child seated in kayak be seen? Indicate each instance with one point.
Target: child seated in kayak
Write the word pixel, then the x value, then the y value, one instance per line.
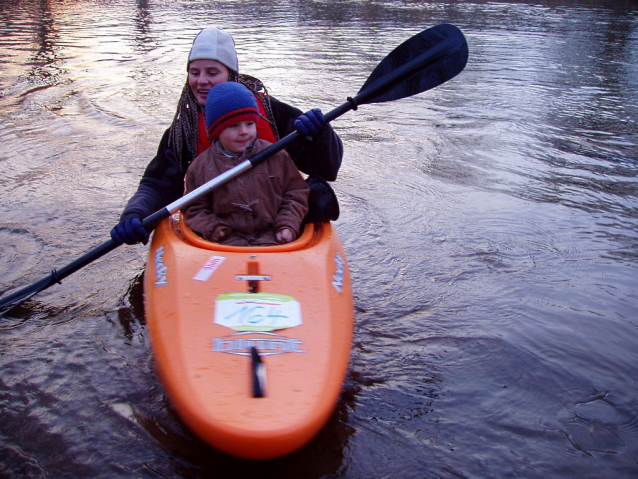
pixel 262 206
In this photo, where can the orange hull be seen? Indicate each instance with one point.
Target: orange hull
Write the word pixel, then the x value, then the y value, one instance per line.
pixel 207 304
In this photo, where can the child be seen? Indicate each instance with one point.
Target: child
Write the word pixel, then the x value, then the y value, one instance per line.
pixel 262 206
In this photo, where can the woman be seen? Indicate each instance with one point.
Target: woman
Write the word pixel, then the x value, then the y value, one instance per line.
pixel 213 60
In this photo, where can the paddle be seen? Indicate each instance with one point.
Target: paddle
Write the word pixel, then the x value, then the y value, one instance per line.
pixel 425 61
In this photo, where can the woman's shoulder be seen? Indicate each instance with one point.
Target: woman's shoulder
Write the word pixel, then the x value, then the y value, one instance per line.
pixel 279 107
pixel 253 84
pixel 257 86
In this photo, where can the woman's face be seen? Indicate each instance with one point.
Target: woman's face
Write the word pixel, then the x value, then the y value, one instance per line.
pixel 204 75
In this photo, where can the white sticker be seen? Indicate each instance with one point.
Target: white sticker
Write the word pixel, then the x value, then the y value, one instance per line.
pixel 257 311
pixel 209 268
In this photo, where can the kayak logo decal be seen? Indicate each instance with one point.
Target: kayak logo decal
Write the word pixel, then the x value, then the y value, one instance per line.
pixel 160 267
pixel 268 344
pixel 337 278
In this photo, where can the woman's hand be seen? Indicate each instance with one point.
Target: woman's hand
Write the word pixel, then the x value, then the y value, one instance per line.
pixel 310 123
pixel 129 231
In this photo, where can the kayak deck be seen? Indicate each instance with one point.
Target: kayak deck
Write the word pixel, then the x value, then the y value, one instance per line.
pixel 208 305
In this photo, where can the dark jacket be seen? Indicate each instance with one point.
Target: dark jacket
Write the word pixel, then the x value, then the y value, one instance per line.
pixel 251 207
pixel 163 180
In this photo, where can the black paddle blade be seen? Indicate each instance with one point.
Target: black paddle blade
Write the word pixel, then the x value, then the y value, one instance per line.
pixel 425 61
pixel 7 303
pixel 19 297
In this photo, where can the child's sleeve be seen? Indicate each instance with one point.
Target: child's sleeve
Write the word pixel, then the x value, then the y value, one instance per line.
pixel 294 203
pixel 199 214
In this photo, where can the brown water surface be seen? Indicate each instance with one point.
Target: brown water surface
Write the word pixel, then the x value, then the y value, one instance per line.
pixel 491 227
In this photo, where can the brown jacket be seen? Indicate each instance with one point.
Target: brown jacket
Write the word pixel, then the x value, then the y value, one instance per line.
pixel 254 205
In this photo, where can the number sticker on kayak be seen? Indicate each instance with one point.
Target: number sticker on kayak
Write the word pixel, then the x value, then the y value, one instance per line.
pixel 257 311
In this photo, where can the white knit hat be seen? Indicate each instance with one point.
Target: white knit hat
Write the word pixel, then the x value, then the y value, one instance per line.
pixel 214 44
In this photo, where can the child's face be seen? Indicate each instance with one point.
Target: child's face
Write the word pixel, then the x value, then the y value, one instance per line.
pixel 204 75
pixel 239 136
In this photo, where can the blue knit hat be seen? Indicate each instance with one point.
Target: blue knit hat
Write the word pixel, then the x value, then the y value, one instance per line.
pixel 229 103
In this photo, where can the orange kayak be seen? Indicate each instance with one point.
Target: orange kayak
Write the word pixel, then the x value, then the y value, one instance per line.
pixel 252 344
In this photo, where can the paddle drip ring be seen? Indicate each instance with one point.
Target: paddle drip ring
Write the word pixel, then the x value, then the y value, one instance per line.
pixel 54 275
pixel 353 102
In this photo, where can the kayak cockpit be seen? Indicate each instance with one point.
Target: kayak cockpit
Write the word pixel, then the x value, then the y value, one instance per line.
pixel 179 227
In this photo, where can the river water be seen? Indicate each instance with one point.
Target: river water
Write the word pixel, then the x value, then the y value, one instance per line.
pixel 490 224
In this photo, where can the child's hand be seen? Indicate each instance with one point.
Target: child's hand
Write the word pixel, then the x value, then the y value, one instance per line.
pixel 220 233
pixel 285 235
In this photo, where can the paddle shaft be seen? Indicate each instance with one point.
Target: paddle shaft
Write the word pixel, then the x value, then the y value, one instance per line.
pixel 452 44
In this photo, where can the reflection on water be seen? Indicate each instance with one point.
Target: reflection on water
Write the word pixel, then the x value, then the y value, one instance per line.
pixel 490 227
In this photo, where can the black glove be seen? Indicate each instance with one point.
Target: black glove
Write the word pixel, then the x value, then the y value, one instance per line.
pixel 130 231
pixel 310 123
pixel 322 202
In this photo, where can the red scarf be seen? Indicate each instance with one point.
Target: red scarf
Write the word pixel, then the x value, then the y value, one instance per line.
pixel 202 138
pixel 264 129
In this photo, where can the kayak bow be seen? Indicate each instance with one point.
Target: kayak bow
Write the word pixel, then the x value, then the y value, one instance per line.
pixel 252 343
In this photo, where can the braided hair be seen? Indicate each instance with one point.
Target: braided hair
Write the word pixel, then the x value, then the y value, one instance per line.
pixel 183 136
